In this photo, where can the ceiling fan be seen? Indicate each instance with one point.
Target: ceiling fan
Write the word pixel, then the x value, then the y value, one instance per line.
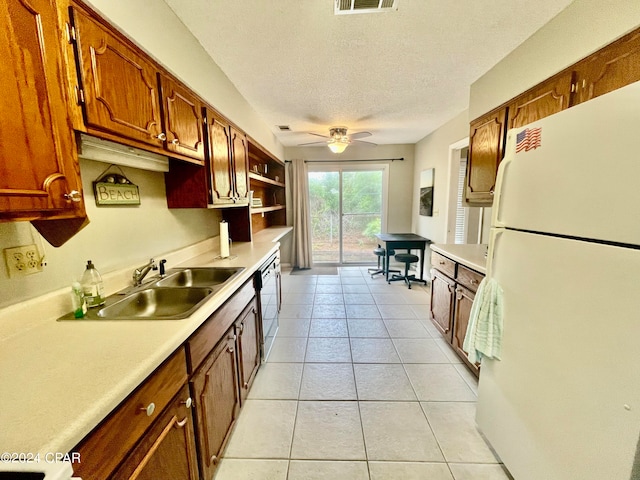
pixel 338 140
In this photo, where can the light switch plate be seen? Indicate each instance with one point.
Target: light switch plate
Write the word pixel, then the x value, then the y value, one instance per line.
pixel 24 260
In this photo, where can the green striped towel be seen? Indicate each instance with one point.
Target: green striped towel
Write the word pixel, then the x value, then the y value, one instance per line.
pixel 484 332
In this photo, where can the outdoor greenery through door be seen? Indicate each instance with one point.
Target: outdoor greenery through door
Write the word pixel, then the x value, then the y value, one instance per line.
pixel 347 206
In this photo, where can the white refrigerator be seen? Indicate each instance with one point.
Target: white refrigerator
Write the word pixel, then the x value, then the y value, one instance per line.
pixel 563 403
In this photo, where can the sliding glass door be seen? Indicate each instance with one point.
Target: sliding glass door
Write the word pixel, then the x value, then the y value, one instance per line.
pixel 347 210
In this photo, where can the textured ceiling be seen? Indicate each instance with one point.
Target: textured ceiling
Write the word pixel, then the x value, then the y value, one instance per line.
pixel 399 74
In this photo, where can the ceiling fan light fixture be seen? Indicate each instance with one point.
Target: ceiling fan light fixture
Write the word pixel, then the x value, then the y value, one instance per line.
pixel 337 146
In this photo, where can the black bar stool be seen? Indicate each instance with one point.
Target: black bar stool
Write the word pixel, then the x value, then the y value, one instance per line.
pixel 381 254
pixel 407 259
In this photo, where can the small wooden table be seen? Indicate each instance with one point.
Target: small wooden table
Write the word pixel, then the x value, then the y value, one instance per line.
pixel 399 241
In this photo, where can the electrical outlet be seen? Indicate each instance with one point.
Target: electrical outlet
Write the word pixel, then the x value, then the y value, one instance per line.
pixel 23 260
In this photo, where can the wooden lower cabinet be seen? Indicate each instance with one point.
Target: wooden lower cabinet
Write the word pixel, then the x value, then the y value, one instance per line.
pixel 462 311
pixel 442 302
pixel 217 401
pixel 248 347
pixel 128 426
pixel 451 301
pixel 168 450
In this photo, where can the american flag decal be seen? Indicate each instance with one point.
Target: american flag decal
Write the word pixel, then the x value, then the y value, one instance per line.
pixel 528 139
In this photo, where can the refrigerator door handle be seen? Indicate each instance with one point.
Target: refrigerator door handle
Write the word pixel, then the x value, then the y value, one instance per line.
pixel 494 237
pixel 496 220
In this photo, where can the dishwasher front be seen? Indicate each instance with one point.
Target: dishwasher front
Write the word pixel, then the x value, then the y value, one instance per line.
pixel 268 284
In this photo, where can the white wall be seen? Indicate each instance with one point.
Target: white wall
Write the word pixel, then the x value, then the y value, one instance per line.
pixel 401 197
pixel 433 152
pixel 582 28
pixel 116 238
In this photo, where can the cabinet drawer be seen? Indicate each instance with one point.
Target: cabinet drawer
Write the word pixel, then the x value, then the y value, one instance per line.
pixel 443 264
pixel 109 443
pixel 209 334
pixel 469 278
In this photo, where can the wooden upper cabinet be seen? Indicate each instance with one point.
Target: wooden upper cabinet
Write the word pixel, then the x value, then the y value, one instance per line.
pixel 240 156
pixel 612 67
pixel 120 85
pixel 219 137
pixel 39 173
pixel 486 148
pixel 182 119
pixel 547 98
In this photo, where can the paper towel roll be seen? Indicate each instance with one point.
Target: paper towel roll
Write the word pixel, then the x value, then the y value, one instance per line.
pixel 224 239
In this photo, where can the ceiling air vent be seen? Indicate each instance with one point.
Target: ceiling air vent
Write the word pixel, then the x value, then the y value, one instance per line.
pixel 284 128
pixel 364 6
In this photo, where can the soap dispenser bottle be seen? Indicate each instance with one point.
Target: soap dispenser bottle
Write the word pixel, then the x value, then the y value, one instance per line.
pixel 92 286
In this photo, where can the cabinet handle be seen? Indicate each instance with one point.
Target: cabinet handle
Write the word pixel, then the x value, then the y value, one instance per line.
pixel 573 87
pixel 246 384
pixel 230 349
pixel 161 136
pixel 213 459
pixel 175 141
pixel 150 409
pixel 73 196
pixel 181 423
pixel 474 282
pixel 458 296
pixel 584 83
pixel 241 327
pixel 491 192
pixel 187 403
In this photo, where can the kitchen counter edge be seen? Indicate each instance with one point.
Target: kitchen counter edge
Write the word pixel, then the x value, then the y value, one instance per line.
pixel 467 254
pixel 64 378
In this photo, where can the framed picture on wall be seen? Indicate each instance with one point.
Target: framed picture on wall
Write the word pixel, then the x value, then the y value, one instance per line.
pixel 426 192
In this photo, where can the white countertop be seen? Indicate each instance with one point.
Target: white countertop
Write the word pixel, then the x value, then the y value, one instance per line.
pixel 468 254
pixel 60 379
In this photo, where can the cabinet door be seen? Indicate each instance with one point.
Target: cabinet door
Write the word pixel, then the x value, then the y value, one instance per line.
pixel 612 67
pixel 182 117
pixel 240 164
pixel 442 297
pixel 215 391
pixel 248 347
pixel 551 96
pixel 486 148
pixel 462 310
pixel 168 450
pixel 120 85
pixel 39 173
pixel 220 158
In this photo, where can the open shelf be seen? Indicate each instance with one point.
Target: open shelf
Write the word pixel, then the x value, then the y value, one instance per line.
pixel 265 180
pixel 266 209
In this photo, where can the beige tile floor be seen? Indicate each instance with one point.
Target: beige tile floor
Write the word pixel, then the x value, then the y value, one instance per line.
pixel 359 385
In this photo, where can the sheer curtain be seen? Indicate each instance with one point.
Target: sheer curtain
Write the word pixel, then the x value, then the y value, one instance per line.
pixel 298 186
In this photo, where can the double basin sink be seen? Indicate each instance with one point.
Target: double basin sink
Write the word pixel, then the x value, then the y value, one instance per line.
pixel 175 296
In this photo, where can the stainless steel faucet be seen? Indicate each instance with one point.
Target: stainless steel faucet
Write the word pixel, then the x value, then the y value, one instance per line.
pixel 141 272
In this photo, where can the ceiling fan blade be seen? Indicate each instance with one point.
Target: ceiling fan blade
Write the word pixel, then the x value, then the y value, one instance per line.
pixel 316 134
pixel 357 135
pixel 311 143
pixel 371 144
